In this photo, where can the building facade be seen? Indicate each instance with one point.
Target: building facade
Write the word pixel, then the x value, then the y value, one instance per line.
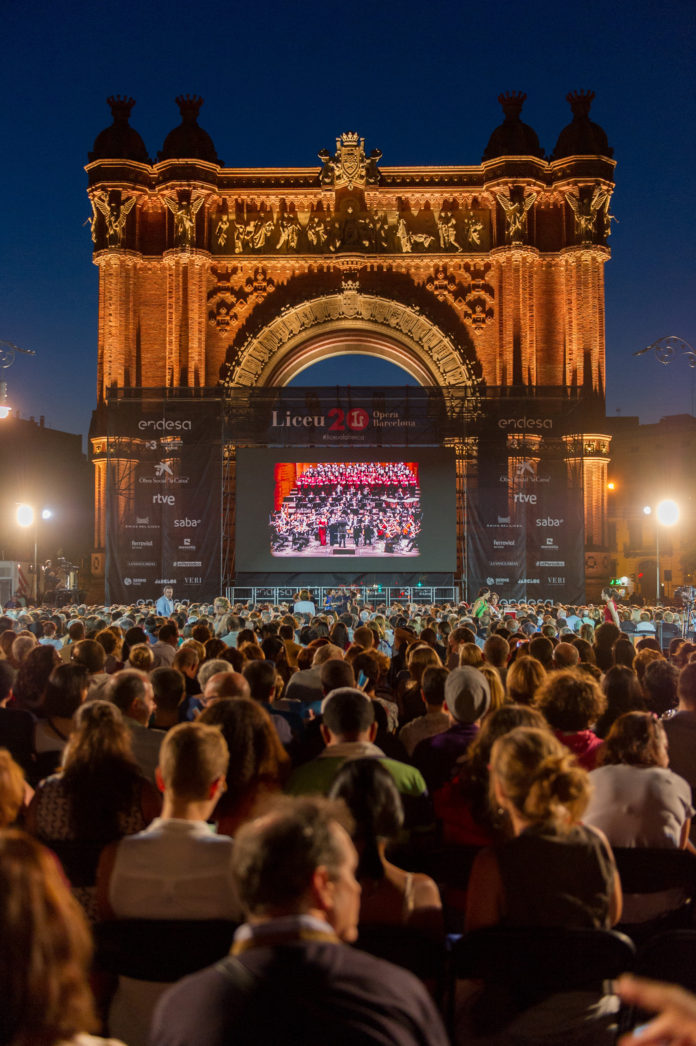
pixel 485 280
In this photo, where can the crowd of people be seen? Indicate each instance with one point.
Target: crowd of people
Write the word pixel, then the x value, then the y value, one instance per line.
pixel 372 506
pixel 291 771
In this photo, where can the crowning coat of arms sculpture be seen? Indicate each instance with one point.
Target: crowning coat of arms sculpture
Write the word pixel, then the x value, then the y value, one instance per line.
pixel 349 167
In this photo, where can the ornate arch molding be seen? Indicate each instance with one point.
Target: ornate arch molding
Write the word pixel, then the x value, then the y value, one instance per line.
pixel 349 322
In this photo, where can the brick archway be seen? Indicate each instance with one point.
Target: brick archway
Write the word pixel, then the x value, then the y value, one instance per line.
pixel 350 323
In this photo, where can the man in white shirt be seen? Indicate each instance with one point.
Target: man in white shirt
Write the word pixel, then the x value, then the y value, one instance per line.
pixel 177 868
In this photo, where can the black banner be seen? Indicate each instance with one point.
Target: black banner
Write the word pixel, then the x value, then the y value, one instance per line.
pixel 525 530
pixel 163 498
pixel 334 417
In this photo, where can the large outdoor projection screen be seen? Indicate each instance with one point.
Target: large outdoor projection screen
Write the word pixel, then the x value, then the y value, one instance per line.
pixel 319 510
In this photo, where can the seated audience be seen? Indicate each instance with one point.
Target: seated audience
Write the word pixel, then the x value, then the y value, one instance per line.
pixel 289 978
pixel 131 692
pixel 524 678
pixel 259 765
pixel 467 699
pixel 623 693
pixel 390 896
pixel 637 801
pixel 572 702
pixel 348 729
pixel 681 732
pixel 100 794
pixel 463 805
pixel 435 720
pixel 46 952
pixel 176 868
pixel 65 692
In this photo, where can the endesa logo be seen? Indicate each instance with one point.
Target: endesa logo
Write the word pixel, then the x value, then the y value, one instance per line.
pixel 525 423
pixel 164 425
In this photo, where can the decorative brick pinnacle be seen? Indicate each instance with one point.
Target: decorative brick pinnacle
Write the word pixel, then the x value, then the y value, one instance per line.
pixel 580 102
pixel 120 106
pixel 189 106
pixel 512 102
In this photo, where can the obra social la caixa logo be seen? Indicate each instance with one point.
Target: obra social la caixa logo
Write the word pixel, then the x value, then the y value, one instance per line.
pixel 356 419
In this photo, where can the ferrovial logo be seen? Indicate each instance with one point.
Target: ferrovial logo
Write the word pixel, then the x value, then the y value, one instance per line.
pixel 140 544
pixel 186 522
pixel 525 423
pixel 164 425
pixel 549 521
pixel 503 544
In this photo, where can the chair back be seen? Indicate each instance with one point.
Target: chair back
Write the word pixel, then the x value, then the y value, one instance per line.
pixel 541 958
pixel 422 954
pixel 162 950
pixel 649 870
pixel 79 859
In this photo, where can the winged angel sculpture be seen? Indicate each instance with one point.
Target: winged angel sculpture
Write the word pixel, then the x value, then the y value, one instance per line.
pixel 184 219
pixel 515 215
pixel 115 213
pixel 586 212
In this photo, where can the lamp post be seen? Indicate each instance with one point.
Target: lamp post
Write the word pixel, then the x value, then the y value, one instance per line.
pixel 26 517
pixel 666 515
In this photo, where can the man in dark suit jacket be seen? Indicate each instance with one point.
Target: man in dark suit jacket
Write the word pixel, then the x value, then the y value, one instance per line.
pixel 290 978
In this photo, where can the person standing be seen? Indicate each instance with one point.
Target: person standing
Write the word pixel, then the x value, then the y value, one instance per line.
pixel 165 604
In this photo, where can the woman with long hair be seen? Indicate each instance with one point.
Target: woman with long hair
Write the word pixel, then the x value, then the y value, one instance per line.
pixel 259 765
pixel 418 658
pixel 623 693
pixel 100 794
pixel 390 896
pixel 45 954
pixel 32 676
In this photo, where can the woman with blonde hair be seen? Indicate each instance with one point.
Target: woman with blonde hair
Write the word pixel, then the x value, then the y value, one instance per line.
pixel 141 657
pixel 46 952
pixel 524 677
pixel 14 791
pixel 554 871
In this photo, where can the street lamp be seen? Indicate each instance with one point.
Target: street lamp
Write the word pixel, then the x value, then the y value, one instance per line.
pixel 667 513
pixel 26 516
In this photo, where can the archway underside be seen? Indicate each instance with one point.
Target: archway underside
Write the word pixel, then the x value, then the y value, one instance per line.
pixel 349 323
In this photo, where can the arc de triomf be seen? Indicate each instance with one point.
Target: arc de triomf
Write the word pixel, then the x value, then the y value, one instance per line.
pixel 219 285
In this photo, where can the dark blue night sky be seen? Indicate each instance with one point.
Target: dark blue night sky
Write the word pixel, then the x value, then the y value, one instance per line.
pixel 280 81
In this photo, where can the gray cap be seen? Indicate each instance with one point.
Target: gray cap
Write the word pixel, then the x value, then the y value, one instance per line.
pixel 467 694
